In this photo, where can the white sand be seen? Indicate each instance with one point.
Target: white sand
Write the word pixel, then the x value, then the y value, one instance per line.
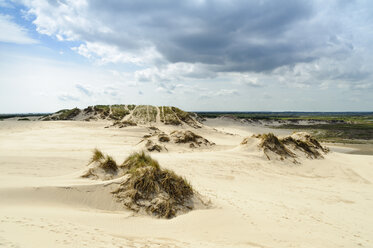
pixel 255 203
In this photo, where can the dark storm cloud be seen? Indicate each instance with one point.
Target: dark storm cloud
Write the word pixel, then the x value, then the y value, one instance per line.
pixel 233 35
pixel 222 36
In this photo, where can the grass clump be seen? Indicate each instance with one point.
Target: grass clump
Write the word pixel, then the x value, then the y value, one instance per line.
pixel 270 142
pixel 97 156
pixel 139 160
pixel 104 166
pixel 150 188
pixel 289 147
pixel 194 140
pixel 306 143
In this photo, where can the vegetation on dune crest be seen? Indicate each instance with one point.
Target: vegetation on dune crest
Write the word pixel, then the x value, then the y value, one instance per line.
pixel 158 191
pixel 140 114
pixel 139 160
pixel 131 106
pixel 186 136
pixel 309 145
pixel 289 147
pixel 102 110
pixel 118 112
pixel 65 114
pixel 145 113
pixel 149 188
pixel 270 142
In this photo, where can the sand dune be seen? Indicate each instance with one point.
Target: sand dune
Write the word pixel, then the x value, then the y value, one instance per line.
pixel 253 202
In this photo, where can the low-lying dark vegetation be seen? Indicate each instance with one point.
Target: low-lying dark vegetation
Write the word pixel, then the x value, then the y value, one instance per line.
pixel 346 127
pixel 349 117
pixel 338 132
pixel 7 116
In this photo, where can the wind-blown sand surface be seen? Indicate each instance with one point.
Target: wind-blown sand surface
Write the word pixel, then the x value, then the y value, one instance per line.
pixel 254 202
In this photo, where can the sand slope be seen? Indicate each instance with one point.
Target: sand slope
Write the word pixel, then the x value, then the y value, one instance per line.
pixel 254 202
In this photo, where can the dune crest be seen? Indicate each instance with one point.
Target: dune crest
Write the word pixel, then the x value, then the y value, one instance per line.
pixel 128 115
pixel 297 145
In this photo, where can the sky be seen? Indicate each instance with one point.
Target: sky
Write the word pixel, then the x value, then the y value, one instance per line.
pixel 198 55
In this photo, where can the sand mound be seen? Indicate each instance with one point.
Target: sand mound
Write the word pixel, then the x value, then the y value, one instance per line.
pixel 305 143
pixel 152 146
pixel 188 137
pixel 157 140
pixel 146 187
pixel 175 116
pixel 298 145
pixel 122 124
pixel 127 114
pixel 65 114
pixel 156 191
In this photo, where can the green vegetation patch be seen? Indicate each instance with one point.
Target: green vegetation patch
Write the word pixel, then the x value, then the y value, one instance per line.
pixel 168 116
pixel 118 112
pixel 103 110
pixel 66 114
pixel 131 107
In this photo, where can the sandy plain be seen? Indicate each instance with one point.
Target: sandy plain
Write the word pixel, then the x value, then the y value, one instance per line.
pixel 253 202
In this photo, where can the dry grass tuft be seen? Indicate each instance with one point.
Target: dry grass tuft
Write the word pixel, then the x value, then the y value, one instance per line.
pixel 194 140
pixel 270 142
pixel 307 144
pixel 97 156
pixel 157 191
pixel 289 147
pixel 103 164
pixel 139 160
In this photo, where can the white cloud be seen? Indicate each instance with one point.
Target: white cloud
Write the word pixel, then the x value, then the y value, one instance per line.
pixel 67 97
pixel 13 33
pixel 103 54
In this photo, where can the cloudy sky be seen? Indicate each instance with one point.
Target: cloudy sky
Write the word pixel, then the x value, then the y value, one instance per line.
pixel 242 55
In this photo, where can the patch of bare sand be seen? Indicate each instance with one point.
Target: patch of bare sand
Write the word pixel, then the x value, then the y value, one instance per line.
pixel 255 202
